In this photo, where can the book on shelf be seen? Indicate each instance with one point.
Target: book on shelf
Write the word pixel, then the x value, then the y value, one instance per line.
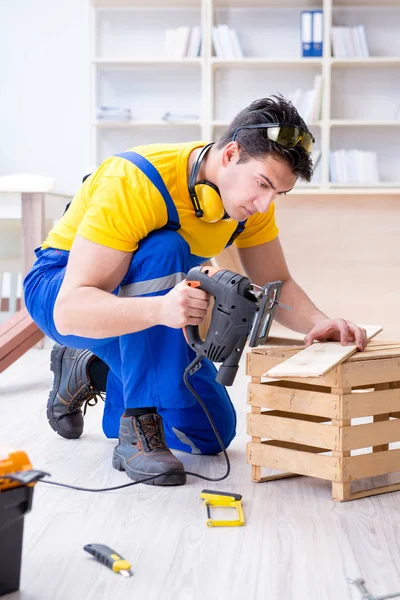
pixel 113 113
pixel 226 42
pixel 312 33
pixel 182 42
pixel 354 166
pixel 317 33
pixel 171 117
pixel 308 102
pixel 349 42
pixel 316 179
pixel 306 33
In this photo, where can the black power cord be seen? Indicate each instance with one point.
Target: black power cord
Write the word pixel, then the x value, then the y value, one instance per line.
pixel 190 370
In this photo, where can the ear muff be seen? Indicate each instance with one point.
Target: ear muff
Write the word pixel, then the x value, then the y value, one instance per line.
pixel 204 194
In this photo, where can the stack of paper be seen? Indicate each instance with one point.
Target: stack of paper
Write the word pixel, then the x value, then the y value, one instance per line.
pixel 349 42
pixel 308 102
pixel 182 42
pixel 226 42
pixel 354 166
pixel 114 113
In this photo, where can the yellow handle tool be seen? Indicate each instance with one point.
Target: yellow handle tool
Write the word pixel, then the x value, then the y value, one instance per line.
pixel 110 559
pixel 223 500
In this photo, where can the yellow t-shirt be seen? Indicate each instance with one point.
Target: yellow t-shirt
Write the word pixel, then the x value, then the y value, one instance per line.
pixel 117 206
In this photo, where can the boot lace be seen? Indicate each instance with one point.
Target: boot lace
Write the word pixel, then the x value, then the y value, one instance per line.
pixel 153 433
pixel 89 396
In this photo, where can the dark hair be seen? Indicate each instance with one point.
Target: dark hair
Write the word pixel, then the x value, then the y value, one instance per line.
pixel 254 143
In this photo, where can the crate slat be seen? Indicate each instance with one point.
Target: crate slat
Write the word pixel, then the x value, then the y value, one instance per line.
pixel 303 463
pixel 370 465
pixel 368 404
pixel 301 401
pixel 380 370
pixel 293 430
pixel 370 434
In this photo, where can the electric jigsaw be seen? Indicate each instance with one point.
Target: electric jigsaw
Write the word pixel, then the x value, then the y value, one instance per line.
pixel 242 311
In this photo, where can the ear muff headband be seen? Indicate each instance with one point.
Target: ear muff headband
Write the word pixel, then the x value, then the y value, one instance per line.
pixel 204 194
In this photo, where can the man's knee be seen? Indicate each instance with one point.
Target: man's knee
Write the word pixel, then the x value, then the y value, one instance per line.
pixel 204 440
pixel 213 446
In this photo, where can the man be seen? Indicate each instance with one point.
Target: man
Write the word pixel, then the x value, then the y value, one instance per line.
pixel 109 280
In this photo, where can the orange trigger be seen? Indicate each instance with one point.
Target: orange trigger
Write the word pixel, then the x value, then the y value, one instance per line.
pixel 193 283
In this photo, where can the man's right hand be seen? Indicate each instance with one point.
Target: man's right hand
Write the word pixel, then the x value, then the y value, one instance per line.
pixel 184 305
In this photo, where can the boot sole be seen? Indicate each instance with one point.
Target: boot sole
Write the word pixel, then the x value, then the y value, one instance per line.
pixel 56 357
pixel 120 464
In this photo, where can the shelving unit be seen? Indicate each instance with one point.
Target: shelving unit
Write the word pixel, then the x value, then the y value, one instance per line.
pixel 361 100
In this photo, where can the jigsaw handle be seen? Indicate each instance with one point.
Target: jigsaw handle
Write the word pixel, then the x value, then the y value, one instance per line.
pixel 200 277
pixel 220 284
pixel 232 317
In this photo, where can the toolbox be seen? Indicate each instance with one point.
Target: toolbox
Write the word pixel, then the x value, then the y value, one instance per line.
pixel 15 502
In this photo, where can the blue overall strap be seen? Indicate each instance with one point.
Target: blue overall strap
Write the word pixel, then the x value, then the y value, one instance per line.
pixel 151 172
pixel 238 231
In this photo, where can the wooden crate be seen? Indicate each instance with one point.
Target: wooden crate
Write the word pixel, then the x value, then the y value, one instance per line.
pixel 304 426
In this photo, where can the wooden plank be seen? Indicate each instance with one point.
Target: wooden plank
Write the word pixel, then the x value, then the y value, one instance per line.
pixel 293 430
pixel 257 364
pixel 384 489
pixel 382 370
pixel 14 331
pixel 368 404
pixel 17 335
pixel 277 476
pixel 304 463
pixel 289 399
pixel 370 434
pixel 378 353
pixel 318 359
pixel 12 322
pixel 370 465
pixel 19 350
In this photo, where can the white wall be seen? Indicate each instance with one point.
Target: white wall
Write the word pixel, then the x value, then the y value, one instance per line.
pixel 44 89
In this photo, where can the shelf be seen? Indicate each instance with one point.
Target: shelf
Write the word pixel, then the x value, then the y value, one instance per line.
pixel 268 4
pixel 265 62
pixel 226 123
pixel 373 61
pixel 366 3
pixel 129 68
pixel 361 123
pixel 122 63
pixel 384 185
pixel 137 124
pixel 148 4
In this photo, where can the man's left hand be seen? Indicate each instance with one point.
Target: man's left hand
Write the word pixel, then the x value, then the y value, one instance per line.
pixel 337 330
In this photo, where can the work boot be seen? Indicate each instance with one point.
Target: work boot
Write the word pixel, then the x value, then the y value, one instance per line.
pixel 71 389
pixel 142 451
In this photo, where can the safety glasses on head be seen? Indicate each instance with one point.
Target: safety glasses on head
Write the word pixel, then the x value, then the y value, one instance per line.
pixel 285 134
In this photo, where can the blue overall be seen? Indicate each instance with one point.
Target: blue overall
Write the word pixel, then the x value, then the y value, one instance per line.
pixel 146 368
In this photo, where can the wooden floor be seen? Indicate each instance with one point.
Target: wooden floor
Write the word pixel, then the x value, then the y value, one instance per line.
pixel 297 544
